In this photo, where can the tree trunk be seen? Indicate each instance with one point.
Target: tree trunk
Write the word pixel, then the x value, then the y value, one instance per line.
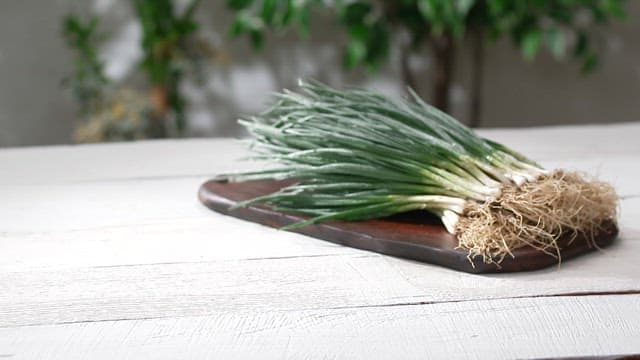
pixel 444 57
pixel 477 79
pixel 160 109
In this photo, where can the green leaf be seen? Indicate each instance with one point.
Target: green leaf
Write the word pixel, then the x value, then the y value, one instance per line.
pixel 246 22
pixel 614 8
pixel 590 63
pixel 239 4
pixel 356 52
pixel 268 10
pixel 356 12
pixel 530 44
pixel 582 45
pixel 303 21
pixel 288 13
pixel 428 9
pixel 556 42
pixel 257 39
pixel 237 27
pixel 463 6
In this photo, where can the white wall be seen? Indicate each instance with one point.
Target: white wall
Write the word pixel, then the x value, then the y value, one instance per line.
pixel 34 109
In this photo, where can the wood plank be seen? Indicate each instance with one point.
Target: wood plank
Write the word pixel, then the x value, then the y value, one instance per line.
pixel 630 213
pixel 110 227
pixel 170 158
pixel 116 269
pixel 618 170
pixel 93 234
pixel 51 231
pixel 187 240
pixel 81 206
pixel 570 142
pixel 117 161
pixel 97 293
pixel 496 329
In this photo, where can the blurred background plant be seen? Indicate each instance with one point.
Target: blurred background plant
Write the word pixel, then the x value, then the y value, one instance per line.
pixel 87 82
pixel 490 63
pixel 563 27
pixel 124 116
pixel 171 50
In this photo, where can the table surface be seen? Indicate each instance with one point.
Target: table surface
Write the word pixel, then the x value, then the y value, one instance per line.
pixel 105 253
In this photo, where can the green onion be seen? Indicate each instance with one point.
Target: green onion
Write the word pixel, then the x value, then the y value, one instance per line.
pixel 358 155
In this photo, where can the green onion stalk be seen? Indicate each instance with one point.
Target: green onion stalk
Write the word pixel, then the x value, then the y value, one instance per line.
pixel 356 155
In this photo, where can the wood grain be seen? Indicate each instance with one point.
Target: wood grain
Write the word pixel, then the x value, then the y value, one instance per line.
pixel 495 329
pixel 206 285
pixel 118 161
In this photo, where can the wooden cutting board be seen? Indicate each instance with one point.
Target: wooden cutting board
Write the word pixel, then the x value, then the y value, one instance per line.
pixel 414 235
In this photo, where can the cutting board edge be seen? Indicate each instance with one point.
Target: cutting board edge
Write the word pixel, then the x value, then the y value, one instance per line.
pixel 456 260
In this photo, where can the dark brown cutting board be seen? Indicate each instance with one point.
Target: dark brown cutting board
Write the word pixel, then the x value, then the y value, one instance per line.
pixel 415 235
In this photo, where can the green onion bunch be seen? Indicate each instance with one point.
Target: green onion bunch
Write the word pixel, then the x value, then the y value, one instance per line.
pixel 356 154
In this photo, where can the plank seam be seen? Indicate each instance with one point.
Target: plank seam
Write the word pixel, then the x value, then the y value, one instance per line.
pixel 568 294
pixel 229 260
pixel 417 303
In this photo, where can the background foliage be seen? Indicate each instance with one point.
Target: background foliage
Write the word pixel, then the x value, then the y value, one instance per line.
pixel 171 51
pixel 563 27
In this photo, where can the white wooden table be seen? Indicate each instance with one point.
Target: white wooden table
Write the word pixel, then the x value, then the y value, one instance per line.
pixel 105 253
